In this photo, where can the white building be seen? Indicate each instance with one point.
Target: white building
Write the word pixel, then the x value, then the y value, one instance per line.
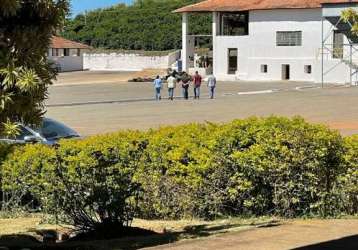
pixel 298 40
pixel 67 55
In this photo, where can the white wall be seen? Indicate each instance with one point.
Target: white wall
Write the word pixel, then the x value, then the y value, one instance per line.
pixel 259 47
pixel 68 63
pixel 127 62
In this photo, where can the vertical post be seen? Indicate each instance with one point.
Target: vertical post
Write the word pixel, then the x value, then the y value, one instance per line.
pixel 350 64
pixel 214 34
pixel 322 55
pixel 185 42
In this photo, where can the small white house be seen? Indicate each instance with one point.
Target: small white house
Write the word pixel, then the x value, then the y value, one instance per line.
pixel 66 54
pixel 298 40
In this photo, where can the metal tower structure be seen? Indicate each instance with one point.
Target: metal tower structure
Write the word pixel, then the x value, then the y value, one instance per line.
pixel 338 42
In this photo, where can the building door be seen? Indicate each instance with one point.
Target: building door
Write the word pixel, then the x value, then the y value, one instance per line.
pixel 232 61
pixel 286 72
pixel 338 40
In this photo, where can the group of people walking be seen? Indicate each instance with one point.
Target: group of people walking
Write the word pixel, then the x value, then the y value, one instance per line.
pixel 185 83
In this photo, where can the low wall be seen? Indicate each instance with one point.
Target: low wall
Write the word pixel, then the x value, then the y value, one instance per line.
pixel 68 63
pixel 127 62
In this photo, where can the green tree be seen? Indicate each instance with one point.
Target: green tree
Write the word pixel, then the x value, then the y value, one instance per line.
pixel 351 16
pixel 26 28
pixel 144 25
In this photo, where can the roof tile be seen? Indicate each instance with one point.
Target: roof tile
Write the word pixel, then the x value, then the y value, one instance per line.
pixel 62 43
pixel 246 5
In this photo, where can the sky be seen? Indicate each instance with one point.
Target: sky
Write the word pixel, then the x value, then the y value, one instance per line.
pixel 79 6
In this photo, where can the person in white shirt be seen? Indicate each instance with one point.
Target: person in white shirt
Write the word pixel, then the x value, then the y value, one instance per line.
pixel 171 83
pixel 212 85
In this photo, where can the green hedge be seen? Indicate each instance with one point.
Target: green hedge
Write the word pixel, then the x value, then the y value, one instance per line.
pixel 5 150
pixel 257 166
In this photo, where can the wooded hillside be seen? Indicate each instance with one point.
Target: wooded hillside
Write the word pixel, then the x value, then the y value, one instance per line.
pixel 144 25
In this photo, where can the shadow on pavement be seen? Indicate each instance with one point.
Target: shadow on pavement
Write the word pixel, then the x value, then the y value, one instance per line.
pixel 346 243
pixel 18 242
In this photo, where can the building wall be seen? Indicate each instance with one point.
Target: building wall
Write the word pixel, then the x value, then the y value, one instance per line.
pixel 259 47
pixel 67 63
pixel 73 62
pixel 128 62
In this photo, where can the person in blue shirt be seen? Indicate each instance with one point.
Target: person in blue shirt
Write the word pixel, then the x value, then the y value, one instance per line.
pixel 158 84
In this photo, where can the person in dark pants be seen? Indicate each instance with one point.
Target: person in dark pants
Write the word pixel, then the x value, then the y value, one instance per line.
pixel 197 83
pixel 185 83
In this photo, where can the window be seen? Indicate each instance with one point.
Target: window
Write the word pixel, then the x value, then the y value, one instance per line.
pixel 338 42
pixel 23 133
pixel 308 69
pixel 235 24
pixel 66 52
pixel 264 68
pixel 55 52
pixel 78 52
pixel 289 38
pixel 51 129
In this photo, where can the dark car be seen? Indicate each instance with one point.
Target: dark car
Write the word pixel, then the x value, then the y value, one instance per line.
pixel 49 133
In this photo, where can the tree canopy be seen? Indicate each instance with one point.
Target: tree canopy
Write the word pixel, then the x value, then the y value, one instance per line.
pixel 351 16
pixel 144 25
pixel 26 28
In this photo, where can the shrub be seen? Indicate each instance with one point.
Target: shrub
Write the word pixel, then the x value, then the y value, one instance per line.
pixel 348 180
pixel 276 165
pixel 4 151
pixel 173 169
pixel 89 182
pixel 254 166
pixel 257 166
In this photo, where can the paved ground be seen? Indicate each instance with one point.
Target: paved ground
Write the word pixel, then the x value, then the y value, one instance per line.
pixel 298 235
pixel 109 106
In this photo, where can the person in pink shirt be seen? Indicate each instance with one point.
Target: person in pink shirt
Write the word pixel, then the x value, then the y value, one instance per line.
pixel 197 83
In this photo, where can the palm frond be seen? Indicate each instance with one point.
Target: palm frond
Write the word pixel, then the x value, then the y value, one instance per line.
pixel 10 75
pixel 28 80
pixel 5 99
pixel 11 130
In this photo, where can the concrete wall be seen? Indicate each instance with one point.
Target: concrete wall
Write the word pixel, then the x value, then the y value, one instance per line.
pixel 259 47
pixel 68 63
pixel 127 62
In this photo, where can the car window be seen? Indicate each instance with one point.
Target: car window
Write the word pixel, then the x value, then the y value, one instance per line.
pixel 51 129
pixel 23 133
pixel 20 137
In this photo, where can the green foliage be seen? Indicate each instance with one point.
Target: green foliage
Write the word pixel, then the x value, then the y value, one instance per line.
pixel 348 189
pixel 144 25
pixel 173 170
pixel 351 16
pixel 90 183
pixel 257 166
pixel 5 150
pixel 26 28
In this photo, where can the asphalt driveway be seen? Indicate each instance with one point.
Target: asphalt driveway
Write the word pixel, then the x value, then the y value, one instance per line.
pixel 103 107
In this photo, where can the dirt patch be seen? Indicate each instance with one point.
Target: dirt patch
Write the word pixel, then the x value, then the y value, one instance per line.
pixel 344 125
pixel 301 234
pixel 103 77
pixel 150 73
